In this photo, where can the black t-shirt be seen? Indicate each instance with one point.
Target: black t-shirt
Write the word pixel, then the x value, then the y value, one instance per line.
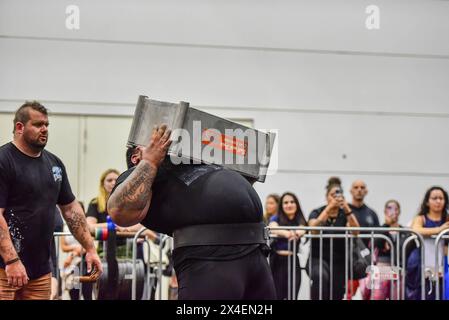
pixel 92 211
pixel 338 244
pixel 30 188
pixel 189 195
pixel 59 223
pixel 59 227
pixel 367 218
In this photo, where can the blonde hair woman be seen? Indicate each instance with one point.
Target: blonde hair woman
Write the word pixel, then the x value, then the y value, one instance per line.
pixel 96 212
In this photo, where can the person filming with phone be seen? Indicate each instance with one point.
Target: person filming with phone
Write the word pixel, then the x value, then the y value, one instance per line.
pixel 336 213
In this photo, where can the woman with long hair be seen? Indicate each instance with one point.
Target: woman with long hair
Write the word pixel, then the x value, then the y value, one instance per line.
pixel 96 214
pixel 289 214
pixel 432 218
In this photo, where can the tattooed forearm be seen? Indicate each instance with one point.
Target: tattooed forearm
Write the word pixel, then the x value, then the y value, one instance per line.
pixel 135 192
pixel 7 250
pixel 76 221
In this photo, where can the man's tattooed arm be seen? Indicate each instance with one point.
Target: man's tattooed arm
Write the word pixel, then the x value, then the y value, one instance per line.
pixel 76 221
pixel 129 203
pixel 7 250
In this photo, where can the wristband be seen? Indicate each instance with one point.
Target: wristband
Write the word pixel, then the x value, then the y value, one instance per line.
pixel 12 261
pixel 349 213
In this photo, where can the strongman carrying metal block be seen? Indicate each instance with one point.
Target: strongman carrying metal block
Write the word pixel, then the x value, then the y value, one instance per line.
pixel 200 137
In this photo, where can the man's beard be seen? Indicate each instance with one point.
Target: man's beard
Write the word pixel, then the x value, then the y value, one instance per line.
pixel 36 144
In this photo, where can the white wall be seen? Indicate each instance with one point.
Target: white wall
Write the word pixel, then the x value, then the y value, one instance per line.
pixel 308 68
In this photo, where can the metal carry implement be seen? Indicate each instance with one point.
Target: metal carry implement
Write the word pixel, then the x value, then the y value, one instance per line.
pixel 203 138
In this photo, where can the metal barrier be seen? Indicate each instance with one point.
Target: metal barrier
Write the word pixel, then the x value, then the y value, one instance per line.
pixel 404 253
pixel 58 272
pixel 442 235
pixel 349 237
pixel 80 271
pixel 292 294
pixel 318 233
pixel 164 239
pixel 149 276
pixel 134 262
pixel 137 235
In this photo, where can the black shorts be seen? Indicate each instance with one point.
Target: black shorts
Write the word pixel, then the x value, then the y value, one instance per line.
pixel 245 278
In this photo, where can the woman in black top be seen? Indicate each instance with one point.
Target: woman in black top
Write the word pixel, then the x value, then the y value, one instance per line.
pixel 392 211
pixel 290 214
pixel 96 212
pixel 337 213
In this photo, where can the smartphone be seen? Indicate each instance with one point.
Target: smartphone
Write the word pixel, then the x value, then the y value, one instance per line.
pixel 338 193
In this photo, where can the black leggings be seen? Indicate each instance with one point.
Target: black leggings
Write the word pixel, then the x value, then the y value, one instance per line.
pixel 338 281
pixel 279 268
pixel 245 278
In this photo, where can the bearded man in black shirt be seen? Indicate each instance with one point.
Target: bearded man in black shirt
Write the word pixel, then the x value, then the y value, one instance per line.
pixel 214 215
pixel 32 182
